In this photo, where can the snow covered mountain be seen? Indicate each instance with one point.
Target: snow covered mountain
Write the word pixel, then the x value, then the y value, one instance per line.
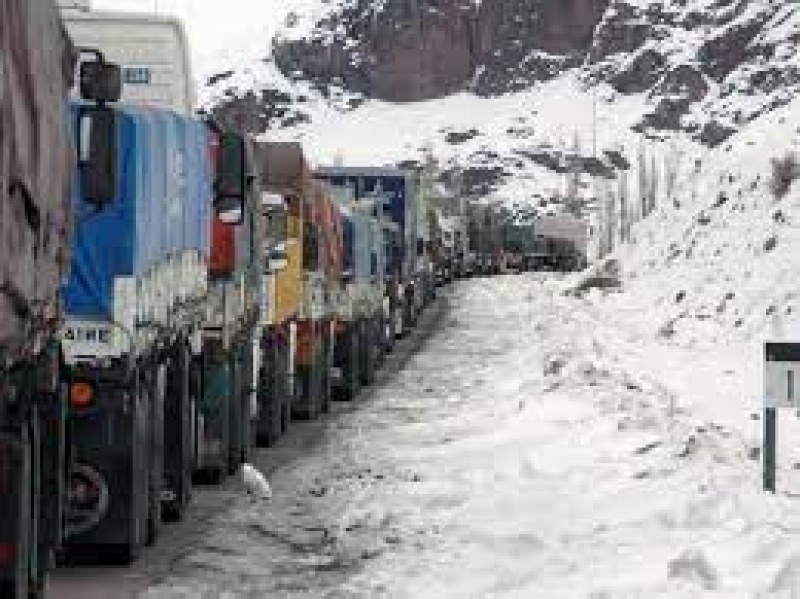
pixel 674 108
pixel 697 71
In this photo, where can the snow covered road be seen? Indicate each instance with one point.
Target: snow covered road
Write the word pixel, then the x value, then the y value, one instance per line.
pixel 537 446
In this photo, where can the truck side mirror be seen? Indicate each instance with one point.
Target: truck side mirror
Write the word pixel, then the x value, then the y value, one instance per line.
pixel 278 258
pixel 97 154
pixel 230 211
pixel 230 187
pixel 100 81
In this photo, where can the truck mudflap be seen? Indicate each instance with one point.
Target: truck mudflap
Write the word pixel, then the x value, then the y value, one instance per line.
pixel 311 369
pixel 213 413
pixel 241 414
pixel 274 405
pixel 347 384
pixel 409 306
pixel 178 433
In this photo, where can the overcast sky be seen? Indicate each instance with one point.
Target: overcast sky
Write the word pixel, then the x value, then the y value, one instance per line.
pixel 217 28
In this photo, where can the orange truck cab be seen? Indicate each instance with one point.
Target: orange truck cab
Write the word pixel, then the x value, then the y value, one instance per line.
pixel 296 306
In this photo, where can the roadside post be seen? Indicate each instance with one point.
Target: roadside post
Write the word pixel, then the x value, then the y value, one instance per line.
pixel 781 376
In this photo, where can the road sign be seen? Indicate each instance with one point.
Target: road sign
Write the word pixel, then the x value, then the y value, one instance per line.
pixel 781 390
pixel 782 375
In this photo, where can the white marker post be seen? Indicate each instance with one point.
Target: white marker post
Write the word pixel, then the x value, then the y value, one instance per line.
pixel 781 374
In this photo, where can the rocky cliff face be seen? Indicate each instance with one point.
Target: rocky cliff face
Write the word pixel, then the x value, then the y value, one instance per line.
pixel 701 69
pixel 409 50
pixel 524 41
pixel 401 51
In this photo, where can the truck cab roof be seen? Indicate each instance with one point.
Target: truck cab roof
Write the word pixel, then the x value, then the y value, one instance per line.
pixel 153 51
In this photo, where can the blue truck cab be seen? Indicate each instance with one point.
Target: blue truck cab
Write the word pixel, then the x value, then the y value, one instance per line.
pixel 137 277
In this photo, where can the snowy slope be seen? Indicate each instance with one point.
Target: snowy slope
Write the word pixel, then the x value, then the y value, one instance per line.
pixel 722 265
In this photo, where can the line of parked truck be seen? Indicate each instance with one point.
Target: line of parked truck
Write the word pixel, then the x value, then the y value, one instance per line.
pixel 172 294
pixel 480 238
